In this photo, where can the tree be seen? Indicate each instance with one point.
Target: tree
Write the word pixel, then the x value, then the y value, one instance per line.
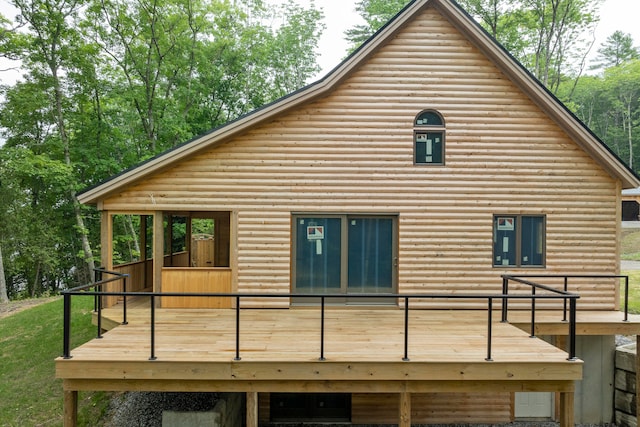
pixel 186 66
pixel 618 48
pixel 54 47
pixel 376 13
pixel 108 83
pixel 546 36
pixel 3 281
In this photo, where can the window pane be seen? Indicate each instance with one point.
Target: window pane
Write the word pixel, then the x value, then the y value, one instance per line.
pixel 504 241
pixel 370 255
pixel 428 118
pixel 317 254
pixel 429 147
pixel 532 240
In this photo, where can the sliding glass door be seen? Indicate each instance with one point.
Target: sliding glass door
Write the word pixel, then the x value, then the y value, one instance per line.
pixel 344 254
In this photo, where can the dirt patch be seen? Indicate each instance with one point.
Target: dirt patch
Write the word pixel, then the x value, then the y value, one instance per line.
pixel 13 307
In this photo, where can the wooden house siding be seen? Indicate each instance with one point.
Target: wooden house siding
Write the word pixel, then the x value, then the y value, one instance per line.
pixel 352 152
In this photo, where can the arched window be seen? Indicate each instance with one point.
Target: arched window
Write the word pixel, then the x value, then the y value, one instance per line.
pixel 428 138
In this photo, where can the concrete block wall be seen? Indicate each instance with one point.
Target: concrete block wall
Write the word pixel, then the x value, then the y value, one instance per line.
pixel 625 386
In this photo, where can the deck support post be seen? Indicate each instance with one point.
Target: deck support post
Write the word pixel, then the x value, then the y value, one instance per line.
pixel 566 409
pixel 252 409
pixel 405 410
pixel 70 408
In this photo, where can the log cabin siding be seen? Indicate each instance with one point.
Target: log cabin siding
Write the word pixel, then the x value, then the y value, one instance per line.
pixel 352 151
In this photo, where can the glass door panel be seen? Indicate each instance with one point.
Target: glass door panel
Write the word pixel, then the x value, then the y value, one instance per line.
pixel 370 255
pixel 318 255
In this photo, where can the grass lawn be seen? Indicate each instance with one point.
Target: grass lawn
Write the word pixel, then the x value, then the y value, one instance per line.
pixel 634 292
pixel 630 244
pixel 29 342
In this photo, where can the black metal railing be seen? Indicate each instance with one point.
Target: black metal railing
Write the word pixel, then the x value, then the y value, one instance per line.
pixel 97 293
pixel 523 278
pixel 505 297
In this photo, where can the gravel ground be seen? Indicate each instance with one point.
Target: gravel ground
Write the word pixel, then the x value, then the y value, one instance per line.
pixel 144 409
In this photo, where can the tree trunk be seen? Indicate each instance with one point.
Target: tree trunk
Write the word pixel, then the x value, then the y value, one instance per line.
pixel 3 282
pixel 134 236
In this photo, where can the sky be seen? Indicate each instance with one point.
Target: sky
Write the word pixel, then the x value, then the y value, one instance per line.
pixel 341 15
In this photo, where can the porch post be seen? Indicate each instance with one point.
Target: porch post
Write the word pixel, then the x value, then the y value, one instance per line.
pixel 252 409
pixel 566 409
pixel 70 408
pixel 106 240
pixel 405 410
pixel 158 250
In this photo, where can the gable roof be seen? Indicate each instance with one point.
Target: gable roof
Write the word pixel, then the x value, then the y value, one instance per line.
pixel 545 100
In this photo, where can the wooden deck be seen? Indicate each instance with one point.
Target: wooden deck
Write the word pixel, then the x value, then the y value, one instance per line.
pixel 195 350
pixel 283 345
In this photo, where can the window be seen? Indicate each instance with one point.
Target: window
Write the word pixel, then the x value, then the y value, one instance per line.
pixel 428 138
pixel 344 254
pixel 518 240
pixel 320 407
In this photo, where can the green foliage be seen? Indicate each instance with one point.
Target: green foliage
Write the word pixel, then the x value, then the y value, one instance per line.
pixel 31 340
pixel 617 49
pixel 376 13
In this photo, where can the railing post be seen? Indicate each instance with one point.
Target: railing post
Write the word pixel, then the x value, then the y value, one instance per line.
pixel 99 322
pixel 626 298
pixel 124 302
pixel 322 328
pixel 406 329
pixel 66 339
pixel 490 329
pixel 572 329
pixel 566 290
pixel 533 312
pixel 237 328
pixel 153 328
pixel 505 301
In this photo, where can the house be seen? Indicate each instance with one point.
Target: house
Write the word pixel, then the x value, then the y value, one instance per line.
pixel 419 172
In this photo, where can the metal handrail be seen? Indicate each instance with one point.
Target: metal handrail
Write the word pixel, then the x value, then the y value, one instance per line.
pixel 521 278
pixel 323 297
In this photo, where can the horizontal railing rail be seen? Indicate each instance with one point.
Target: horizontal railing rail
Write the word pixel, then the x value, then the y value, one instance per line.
pixel 323 298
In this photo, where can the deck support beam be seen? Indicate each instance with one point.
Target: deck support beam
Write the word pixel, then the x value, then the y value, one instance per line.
pixel 252 409
pixel 405 410
pixel 566 409
pixel 70 408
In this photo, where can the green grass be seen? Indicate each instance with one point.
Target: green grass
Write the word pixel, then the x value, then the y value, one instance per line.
pixel 634 292
pixel 630 245
pixel 29 342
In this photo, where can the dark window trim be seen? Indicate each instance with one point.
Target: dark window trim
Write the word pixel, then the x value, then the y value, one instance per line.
pixel 518 242
pixel 437 128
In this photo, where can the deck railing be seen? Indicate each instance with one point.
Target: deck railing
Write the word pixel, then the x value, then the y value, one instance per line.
pixel 567 298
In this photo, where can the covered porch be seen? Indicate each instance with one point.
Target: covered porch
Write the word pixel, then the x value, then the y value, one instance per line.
pixel 194 249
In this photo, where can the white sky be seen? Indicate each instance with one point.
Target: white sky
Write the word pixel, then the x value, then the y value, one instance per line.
pixel 340 14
